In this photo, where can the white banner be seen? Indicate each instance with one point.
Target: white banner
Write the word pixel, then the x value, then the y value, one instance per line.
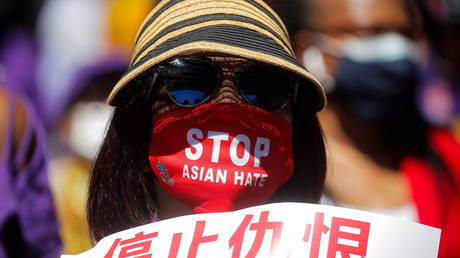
pixel 274 230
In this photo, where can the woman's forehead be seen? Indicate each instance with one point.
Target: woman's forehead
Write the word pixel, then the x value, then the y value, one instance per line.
pixel 214 56
pixel 225 61
pixel 229 62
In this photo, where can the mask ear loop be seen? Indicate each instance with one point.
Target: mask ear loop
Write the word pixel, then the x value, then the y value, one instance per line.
pixel 150 89
pixel 148 171
pixel 294 94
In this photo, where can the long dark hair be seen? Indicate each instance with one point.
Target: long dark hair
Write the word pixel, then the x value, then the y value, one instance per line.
pixel 121 191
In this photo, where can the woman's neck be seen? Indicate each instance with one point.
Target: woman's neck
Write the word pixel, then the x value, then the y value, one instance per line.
pixel 170 207
pixel 362 166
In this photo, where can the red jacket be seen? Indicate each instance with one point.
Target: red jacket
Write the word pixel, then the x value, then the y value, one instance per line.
pixel 436 194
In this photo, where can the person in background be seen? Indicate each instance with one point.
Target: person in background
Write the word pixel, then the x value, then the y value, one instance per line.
pixel 77 33
pixel 382 156
pixel 28 224
pixel 76 140
pixel 85 46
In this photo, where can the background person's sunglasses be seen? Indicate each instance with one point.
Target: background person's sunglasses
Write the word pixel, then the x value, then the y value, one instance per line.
pixel 191 81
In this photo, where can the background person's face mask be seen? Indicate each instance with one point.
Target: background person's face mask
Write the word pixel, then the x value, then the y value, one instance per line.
pixel 88 121
pixel 376 76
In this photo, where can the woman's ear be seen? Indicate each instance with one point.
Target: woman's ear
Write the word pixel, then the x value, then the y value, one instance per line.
pixel 301 40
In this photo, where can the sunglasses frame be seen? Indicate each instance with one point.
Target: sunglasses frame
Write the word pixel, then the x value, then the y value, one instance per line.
pixel 292 95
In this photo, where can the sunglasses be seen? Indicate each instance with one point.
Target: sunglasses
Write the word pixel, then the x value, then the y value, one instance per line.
pixel 191 81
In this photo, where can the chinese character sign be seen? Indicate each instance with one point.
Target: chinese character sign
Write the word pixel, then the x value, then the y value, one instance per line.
pixel 274 230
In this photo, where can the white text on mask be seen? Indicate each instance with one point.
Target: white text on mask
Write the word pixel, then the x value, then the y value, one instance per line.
pixel 261 147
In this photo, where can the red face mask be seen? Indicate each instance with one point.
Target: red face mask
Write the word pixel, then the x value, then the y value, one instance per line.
pixel 221 156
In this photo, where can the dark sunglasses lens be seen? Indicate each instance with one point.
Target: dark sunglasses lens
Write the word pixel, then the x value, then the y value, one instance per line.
pixel 263 85
pixel 190 81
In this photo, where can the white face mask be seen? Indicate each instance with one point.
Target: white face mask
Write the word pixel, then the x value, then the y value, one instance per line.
pixel 385 47
pixel 88 123
pixel 313 60
pixel 389 46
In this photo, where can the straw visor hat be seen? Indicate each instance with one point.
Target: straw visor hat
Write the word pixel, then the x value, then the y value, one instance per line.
pixel 245 28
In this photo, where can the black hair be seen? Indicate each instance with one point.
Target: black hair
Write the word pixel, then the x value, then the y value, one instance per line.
pixel 121 190
pixel 307 182
pixel 121 193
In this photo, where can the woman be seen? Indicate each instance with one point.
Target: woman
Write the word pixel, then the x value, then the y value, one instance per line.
pixel 214 114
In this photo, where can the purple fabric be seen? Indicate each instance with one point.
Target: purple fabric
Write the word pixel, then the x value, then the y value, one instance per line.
pixel 18 56
pixel 28 224
pixel 438 97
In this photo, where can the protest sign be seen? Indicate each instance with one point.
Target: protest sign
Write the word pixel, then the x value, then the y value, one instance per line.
pixel 274 230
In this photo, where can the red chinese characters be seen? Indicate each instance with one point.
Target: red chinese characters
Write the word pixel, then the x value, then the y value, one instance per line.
pixel 236 241
pixel 339 232
pixel 252 236
pixel 138 246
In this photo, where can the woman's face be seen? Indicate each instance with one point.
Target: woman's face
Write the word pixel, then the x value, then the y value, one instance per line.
pixel 226 92
pixel 213 138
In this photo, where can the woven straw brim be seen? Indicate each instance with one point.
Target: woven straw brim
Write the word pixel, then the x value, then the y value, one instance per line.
pixel 245 28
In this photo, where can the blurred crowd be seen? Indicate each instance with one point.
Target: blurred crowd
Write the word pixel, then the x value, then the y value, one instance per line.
pixel 58 62
pixel 391 70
